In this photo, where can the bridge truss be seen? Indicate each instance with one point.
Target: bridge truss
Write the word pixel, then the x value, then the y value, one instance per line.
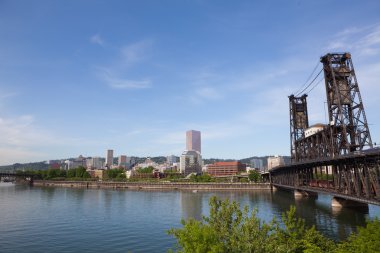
pixel 339 157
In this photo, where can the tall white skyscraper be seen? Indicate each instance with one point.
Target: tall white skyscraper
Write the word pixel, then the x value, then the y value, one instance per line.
pixel 109 159
pixel 193 140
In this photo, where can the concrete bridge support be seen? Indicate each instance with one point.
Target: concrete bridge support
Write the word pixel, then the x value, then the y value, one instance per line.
pixel 337 202
pixel 298 194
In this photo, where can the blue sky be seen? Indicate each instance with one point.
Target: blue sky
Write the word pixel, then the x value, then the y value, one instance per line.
pixel 80 77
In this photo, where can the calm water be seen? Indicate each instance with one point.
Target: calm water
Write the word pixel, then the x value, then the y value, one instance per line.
pixel 80 220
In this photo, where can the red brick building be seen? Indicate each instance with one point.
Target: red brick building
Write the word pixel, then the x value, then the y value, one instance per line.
pixel 226 168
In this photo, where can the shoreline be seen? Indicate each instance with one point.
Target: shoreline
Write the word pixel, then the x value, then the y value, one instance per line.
pixel 152 185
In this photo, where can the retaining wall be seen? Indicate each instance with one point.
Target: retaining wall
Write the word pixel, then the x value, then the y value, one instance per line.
pixel 150 185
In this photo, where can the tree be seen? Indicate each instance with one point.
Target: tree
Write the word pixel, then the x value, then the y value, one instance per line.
pixel 231 229
pixel 254 176
pixel 71 173
pixel 201 178
pixel 80 171
pixel 366 240
pixel 145 170
pixel 115 174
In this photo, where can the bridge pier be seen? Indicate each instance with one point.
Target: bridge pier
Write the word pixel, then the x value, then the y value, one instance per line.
pixel 298 194
pixel 337 203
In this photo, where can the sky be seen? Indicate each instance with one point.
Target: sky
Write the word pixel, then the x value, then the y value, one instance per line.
pixel 80 77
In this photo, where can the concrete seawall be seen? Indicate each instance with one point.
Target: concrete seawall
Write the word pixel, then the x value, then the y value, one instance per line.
pixel 153 186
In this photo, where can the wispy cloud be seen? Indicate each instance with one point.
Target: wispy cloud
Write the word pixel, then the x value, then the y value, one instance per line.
pixel 116 74
pixel 136 52
pixel 362 40
pixel 24 140
pixel 22 132
pixel 208 93
pixel 20 138
pixel 116 82
pixel 97 39
pixel 204 94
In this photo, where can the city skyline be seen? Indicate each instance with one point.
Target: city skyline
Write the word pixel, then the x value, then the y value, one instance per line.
pixel 80 77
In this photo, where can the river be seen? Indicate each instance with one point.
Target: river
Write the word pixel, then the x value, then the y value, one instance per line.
pixel 42 219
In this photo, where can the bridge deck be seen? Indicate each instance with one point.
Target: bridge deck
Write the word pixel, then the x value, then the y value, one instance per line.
pixel 329 192
pixel 353 177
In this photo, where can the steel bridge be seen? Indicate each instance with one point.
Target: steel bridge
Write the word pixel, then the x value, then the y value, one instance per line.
pixel 23 176
pixel 337 158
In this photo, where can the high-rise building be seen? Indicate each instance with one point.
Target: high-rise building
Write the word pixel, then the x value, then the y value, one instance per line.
pixel 191 162
pixel 109 159
pixel 171 159
pixel 193 140
pixel 257 163
pixel 95 163
pixel 122 162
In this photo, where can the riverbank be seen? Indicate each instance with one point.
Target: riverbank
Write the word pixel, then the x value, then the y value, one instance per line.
pixel 152 185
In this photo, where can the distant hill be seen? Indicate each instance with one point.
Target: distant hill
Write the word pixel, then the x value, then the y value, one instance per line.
pixel 25 166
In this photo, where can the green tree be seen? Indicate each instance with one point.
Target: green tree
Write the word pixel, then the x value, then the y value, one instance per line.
pixel 115 173
pixel 201 178
pixel 147 170
pixel 80 171
pixel 254 176
pixel 366 240
pixel 232 229
pixel 71 173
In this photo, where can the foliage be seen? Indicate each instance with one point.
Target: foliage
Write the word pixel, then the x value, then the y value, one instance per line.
pixel 58 174
pixel 173 175
pixel 71 173
pixel 80 172
pixel 231 229
pixel 145 170
pixel 254 176
pixel 366 239
pixel 201 178
pixel 115 174
pixel 243 180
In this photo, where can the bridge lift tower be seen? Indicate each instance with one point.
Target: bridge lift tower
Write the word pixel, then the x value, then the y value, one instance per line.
pixel 299 121
pixel 347 118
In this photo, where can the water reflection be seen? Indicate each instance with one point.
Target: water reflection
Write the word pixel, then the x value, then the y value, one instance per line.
pixel 191 204
pixel 101 216
pixel 318 212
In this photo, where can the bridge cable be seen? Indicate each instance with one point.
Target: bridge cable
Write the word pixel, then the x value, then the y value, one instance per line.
pixel 310 83
pixel 315 85
pixel 308 79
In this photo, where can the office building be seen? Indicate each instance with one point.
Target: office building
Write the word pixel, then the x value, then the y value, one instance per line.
pixel 75 163
pixel 190 162
pixel 109 159
pixel 122 161
pixel 226 168
pixel 257 163
pixel 95 163
pixel 170 160
pixel 193 140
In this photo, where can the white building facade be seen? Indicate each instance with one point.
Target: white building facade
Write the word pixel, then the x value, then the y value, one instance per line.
pixel 274 161
pixel 191 162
